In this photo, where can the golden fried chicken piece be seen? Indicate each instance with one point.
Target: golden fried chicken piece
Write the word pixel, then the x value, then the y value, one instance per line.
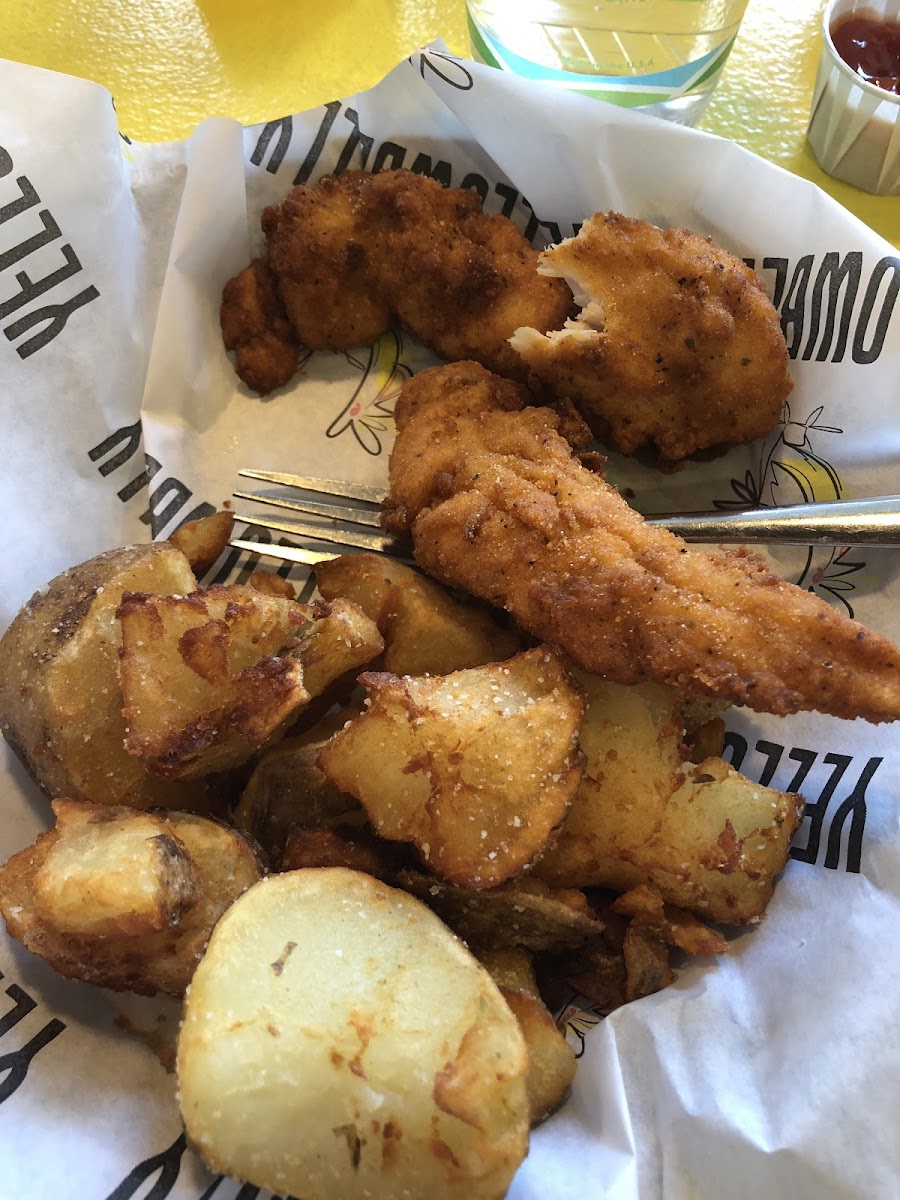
pixel 255 326
pixel 497 504
pixel 328 263
pixel 461 280
pixel 358 248
pixel 677 347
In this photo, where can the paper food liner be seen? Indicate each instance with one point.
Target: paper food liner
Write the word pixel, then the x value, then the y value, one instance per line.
pixel 775 1071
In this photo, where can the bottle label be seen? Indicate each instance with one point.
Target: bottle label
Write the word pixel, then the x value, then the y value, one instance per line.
pixel 630 91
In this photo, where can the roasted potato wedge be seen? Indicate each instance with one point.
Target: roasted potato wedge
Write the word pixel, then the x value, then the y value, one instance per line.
pixel 711 841
pixel 477 769
pixel 122 898
pixel 60 700
pixel 202 541
pixel 340 640
pixel 426 631
pixel 338 1040
pixel 288 788
pixel 648 910
pixel 551 1060
pixel 272 584
pixel 207 678
pixel 110 873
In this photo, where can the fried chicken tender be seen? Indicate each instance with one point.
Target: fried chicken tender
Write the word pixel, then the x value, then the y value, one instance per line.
pixel 357 249
pixel 677 348
pixel 256 328
pixel 328 263
pixel 497 504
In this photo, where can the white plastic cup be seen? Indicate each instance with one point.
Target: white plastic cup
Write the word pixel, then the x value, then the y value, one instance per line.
pixel 854 126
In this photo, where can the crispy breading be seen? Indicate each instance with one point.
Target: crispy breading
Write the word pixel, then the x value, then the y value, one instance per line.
pixel 327 263
pixel 256 328
pixel 461 280
pixel 677 348
pixel 358 248
pixel 497 504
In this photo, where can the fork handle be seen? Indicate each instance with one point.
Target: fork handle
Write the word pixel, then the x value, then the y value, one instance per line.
pixel 874 522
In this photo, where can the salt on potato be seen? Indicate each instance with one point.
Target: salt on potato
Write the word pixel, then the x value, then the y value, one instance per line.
pixel 338 1040
pixel 477 769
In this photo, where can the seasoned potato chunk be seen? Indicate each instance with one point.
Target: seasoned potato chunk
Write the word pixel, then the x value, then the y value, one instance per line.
pixel 272 584
pixel 202 541
pixel 339 1041
pixel 339 641
pixel 551 1060
pixel 476 769
pixel 711 841
pixel 207 678
pixel 114 875
pixel 426 631
pixel 124 899
pixel 60 700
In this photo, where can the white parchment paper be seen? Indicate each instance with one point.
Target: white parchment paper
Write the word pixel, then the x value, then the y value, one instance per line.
pixel 774 1072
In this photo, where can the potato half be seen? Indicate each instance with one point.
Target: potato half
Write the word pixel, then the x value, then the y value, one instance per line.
pixel 122 898
pixel 339 1041
pixel 60 700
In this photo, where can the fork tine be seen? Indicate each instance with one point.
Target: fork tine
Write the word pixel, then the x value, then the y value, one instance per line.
pixel 307 483
pixel 297 554
pixel 355 516
pixel 381 543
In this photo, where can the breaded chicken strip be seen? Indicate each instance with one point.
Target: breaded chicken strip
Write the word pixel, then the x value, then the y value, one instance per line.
pixel 328 263
pixel 677 348
pixel 358 248
pixel 460 280
pixel 497 504
pixel 255 326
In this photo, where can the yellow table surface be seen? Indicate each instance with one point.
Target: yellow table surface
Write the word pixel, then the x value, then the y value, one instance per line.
pixel 170 63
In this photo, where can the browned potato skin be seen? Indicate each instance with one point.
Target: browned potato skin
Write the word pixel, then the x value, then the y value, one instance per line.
pixel 551 1060
pixel 521 913
pixel 60 701
pixel 288 788
pixel 647 965
pixel 202 541
pixel 426 631
pixel 223 864
pixel 357 849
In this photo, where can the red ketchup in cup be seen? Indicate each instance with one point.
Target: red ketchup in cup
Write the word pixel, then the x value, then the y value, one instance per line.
pixel 871 47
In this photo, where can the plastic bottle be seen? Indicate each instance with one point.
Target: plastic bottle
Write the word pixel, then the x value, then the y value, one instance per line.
pixel 663 56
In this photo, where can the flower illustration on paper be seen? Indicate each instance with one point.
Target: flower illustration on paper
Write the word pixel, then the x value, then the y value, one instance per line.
pixel 369 413
pixel 576 1018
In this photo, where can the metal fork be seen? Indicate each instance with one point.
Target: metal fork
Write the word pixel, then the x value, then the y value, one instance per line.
pixel 873 522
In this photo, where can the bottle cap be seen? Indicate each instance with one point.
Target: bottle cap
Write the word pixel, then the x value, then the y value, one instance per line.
pixel 854 126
